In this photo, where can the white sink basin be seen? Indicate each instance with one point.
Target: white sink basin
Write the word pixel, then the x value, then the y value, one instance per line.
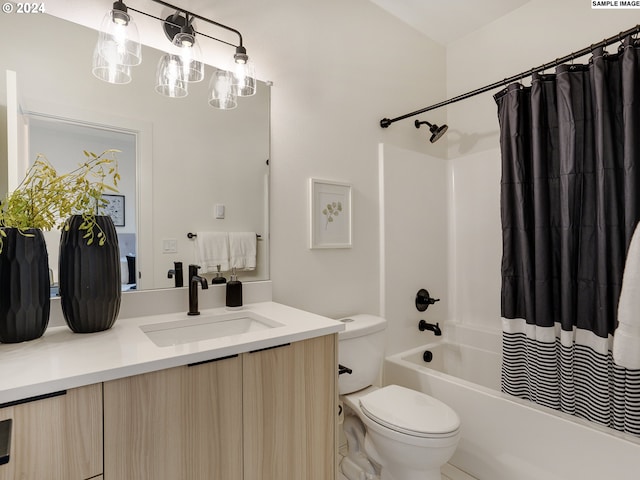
pixel 205 327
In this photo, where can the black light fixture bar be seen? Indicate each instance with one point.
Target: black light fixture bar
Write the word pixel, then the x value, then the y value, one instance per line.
pixel 204 19
pixel 190 14
pixel 385 122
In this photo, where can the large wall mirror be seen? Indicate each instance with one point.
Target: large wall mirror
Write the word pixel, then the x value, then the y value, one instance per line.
pixel 180 158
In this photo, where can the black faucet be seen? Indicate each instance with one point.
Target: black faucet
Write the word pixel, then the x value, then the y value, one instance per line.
pixel 194 279
pixel 430 326
pixel 177 273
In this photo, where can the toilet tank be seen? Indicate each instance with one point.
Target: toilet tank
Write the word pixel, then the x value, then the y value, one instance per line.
pixel 360 348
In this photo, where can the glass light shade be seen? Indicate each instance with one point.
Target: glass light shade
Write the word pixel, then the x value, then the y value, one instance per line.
pixel 222 93
pixel 189 50
pixel 244 79
pixel 118 41
pixel 108 71
pixel 170 77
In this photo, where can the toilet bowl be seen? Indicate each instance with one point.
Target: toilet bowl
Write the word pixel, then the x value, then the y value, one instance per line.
pixel 393 433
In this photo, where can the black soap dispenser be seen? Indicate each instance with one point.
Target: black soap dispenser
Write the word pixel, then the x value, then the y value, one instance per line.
pixel 218 279
pixel 234 291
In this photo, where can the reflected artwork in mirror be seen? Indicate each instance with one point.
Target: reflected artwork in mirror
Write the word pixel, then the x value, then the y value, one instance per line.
pixel 180 158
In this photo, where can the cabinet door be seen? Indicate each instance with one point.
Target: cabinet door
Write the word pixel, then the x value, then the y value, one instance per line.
pixel 56 438
pixel 183 423
pixel 290 415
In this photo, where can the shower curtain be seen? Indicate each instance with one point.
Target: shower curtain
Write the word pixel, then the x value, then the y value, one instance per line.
pixel 570 200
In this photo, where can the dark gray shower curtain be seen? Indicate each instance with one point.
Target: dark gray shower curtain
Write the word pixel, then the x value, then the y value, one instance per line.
pixel 570 200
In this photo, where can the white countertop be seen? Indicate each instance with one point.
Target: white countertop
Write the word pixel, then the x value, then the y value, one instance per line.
pixel 61 359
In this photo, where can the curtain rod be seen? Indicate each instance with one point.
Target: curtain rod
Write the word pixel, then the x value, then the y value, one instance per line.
pixel 385 122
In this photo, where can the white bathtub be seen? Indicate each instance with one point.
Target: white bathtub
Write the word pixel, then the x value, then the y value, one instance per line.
pixel 505 438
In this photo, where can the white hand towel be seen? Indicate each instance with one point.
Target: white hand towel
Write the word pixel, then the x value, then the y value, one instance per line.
pixel 242 250
pixel 212 249
pixel 626 338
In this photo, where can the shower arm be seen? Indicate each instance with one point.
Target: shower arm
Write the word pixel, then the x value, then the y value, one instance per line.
pixel 386 122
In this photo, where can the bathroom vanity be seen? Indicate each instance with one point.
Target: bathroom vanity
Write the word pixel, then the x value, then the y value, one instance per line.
pixel 254 404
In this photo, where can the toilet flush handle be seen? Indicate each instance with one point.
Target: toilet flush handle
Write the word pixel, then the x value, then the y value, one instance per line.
pixel 342 369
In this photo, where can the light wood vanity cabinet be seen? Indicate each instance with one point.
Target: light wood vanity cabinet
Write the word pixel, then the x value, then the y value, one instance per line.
pixel 267 415
pixel 290 411
pixel 183 423
pixel 56 438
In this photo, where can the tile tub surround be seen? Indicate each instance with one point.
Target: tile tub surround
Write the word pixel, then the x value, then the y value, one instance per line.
pixel 62 359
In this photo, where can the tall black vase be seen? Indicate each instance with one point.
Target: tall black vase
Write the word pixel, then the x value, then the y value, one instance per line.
pixel 24 286
pixel 90 288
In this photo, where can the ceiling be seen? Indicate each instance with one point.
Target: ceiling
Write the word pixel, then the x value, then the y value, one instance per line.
pixel 448 20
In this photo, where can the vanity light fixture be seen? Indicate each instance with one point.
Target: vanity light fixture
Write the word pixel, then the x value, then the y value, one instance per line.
pixel 222 93
pixel 170 78
pixel 244 76
pixel 118 40
pixel 109 71
pixel 180 32
pixel 119 48
pixel 436 131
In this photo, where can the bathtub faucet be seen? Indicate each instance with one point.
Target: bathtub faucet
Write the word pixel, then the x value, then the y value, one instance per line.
pixel 430 326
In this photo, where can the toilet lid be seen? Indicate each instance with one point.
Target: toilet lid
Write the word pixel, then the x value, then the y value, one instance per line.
pixel 411 412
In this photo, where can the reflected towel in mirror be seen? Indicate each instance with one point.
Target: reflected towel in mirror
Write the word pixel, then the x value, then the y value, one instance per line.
pixel 212 249
pixel 242 250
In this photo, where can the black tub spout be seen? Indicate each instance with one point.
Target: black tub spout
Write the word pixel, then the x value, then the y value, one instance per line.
pixel 431 327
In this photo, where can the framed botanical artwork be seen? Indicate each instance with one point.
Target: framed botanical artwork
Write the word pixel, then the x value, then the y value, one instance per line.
pixel 114 208
pixel 330 214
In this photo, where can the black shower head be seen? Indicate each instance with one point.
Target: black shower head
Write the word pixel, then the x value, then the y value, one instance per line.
pixel 436 131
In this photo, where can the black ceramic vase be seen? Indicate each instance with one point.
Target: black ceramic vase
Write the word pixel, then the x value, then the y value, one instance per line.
pixel 90 289
pixel 24 286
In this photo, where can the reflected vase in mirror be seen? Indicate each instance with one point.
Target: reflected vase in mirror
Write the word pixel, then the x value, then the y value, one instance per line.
pixel 24 286
pixel 90 289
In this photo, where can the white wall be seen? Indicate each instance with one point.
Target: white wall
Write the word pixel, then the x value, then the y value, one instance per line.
pixel 415 249
pixel 532 35
pixel 345 66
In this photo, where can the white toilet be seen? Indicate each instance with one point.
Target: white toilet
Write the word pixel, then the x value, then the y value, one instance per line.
pixel 393 433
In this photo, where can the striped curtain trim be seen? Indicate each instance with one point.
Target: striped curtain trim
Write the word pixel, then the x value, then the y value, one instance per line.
pixel 572 372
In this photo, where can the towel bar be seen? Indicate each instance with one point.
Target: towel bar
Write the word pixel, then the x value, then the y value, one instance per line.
pixel 194 235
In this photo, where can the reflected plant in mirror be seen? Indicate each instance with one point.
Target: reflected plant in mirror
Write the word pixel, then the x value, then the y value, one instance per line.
pixel 173 150
pixel 45 199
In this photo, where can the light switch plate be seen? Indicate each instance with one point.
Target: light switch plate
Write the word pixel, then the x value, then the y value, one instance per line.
pixel 219 210
pixel 169 245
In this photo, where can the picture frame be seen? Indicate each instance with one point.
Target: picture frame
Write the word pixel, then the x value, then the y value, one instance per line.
pixel 330 214
pixel 114 208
